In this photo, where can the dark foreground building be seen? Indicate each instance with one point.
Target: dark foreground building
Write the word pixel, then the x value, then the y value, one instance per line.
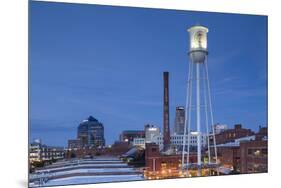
pixel 91 133
pixel 246 154
pixel 253 156
pixel 161 166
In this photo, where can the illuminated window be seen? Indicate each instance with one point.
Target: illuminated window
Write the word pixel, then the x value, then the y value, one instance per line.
pixel 257 152
pixel 163 165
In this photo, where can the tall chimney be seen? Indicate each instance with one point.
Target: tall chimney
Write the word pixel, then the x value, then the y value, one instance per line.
pixel 166 120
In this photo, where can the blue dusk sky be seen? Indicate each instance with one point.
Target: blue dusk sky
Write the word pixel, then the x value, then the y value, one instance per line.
pixel 108 62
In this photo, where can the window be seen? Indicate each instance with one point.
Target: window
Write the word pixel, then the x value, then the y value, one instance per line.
pixel 163 165
pixel 264 151
pixel 250 151
pixel 257 152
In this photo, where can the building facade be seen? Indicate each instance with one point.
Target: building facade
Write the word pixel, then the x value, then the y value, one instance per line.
pixel 40 152
pixel 130 135
pixel 179 120
pixel 159 166
pixel 74 144
pixel 175 140
pixel 229 135
pixel 151 131
pixel 35 151
pixel 91 133
pixel 219 128
pixel 178 140
pixel 253 156
pixel 140 142
pixel 249 156
pixel 245 154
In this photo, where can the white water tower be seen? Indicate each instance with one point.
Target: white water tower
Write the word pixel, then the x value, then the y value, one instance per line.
pixel 199 113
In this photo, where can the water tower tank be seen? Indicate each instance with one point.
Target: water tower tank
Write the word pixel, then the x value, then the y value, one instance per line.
pixel 198 43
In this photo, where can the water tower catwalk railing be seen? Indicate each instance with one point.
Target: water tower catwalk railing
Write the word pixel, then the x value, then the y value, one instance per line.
pixel 197 72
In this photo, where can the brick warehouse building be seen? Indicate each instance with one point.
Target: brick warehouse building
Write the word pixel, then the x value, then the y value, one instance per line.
pixel 247 154
pixel 230 135
pixel 229 157
pixel 253 156
pixel 159 165
pixel 249 157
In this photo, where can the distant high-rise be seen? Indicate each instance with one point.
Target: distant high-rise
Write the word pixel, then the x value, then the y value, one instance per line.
pixel 91 133
pixel 166 127
pixel 179 120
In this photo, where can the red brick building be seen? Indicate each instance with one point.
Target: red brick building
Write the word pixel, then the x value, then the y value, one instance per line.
pixel 253 156
pixel 229 157
pixel 230 135
pixel 163 166
pixel 245 156
pixel 249 157
pixel 156 162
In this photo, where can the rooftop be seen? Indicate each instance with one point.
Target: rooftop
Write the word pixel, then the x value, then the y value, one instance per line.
pixel 132 131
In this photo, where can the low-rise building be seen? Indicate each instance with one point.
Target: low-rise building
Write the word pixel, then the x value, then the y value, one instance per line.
pixel 159 165
pixel 219 128
pixel 74 144
pixel 176 140
pixel 229 135
pixel 49 153
pixel 139 142
pixel 246 154
pixel 129 135
pixel 253 156
pixel 35 151
pixel 39 152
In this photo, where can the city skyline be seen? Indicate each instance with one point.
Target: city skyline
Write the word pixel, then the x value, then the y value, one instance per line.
pixel 112 69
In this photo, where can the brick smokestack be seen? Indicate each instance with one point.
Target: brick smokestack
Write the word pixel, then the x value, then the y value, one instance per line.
pixel 166 120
